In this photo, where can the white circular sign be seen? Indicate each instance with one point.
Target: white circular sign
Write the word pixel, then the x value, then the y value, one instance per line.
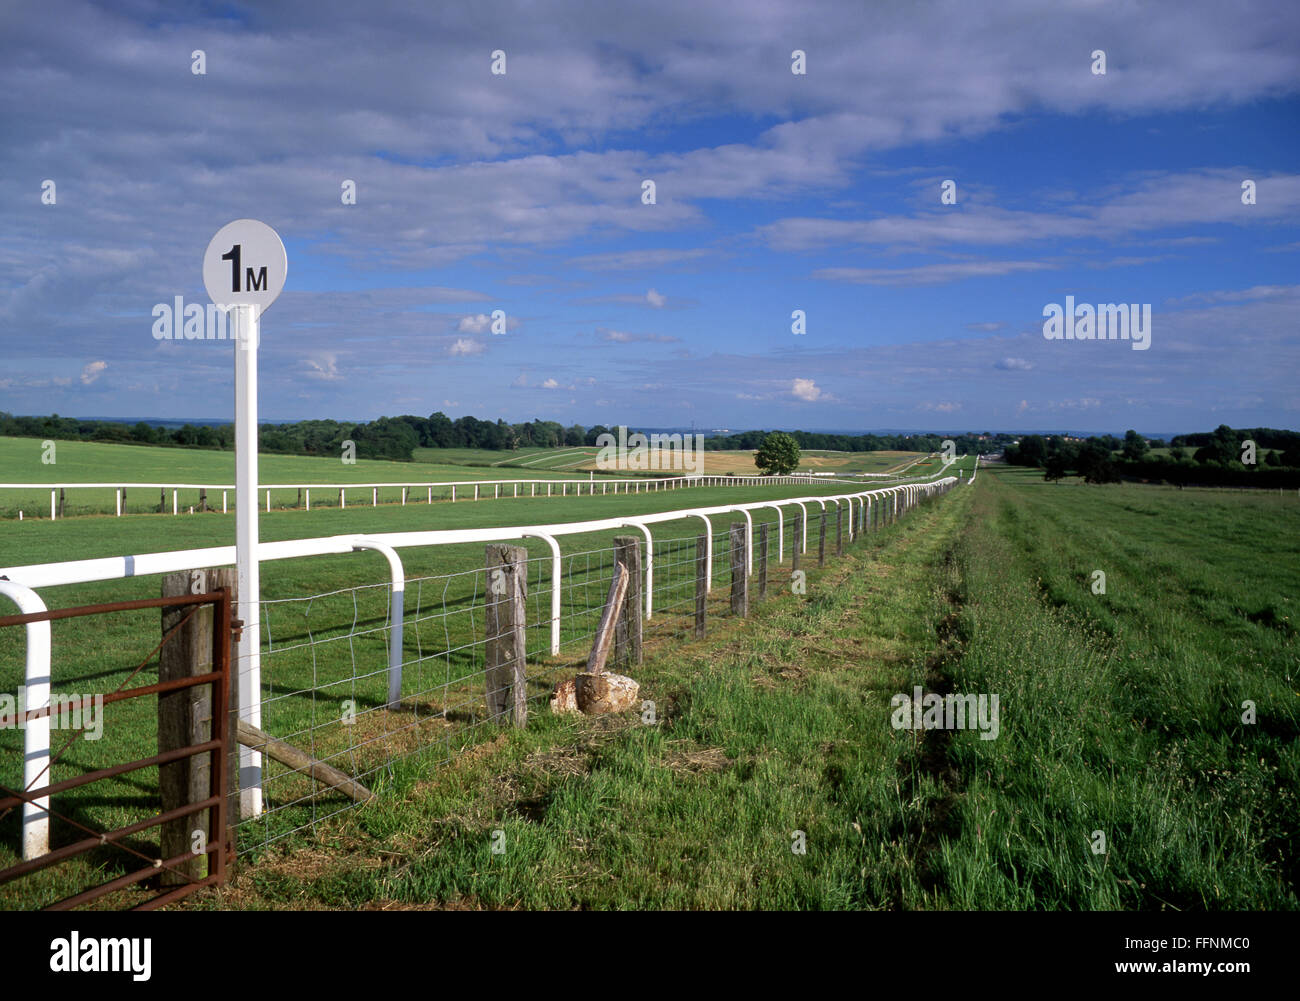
pixel 244 265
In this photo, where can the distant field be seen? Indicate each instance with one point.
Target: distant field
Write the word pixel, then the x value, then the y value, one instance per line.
pixel 539 459
pixel 99 462
pixel 718 463
pixel 740 462
pixel 1190 450
pixel 583 459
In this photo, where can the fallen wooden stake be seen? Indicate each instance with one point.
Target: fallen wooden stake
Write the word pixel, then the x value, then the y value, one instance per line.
pixel 608 620
pixel 287 754
pixel 594 691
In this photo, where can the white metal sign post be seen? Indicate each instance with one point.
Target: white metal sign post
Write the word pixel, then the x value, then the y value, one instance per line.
pixel 244 269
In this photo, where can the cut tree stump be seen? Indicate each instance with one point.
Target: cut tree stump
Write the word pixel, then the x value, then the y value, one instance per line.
pixel 565 699
pixel 605 693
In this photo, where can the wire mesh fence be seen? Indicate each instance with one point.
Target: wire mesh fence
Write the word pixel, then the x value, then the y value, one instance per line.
pixel 326 660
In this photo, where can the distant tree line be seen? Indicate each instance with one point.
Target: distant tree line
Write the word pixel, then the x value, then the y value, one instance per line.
pixel 1212 458
pixel 1215 461
pixel 385 438
pixel 73 429
pixel 967 444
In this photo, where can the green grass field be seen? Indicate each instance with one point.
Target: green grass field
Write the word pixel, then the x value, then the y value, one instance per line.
pixel 1121 713
pixel 540 460
pixel 582 459
pixel 99 462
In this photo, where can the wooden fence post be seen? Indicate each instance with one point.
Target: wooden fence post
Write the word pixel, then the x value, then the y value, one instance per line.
pixel 507 572
pixel 62 498
pixel 162 500
pixel 797 542
pixel 739 570
pixel 203 499
pixel 627 634
pixel 839 529
pixel 299 504
pixel 821 542
pixel 185 718
pixel 701 585
pixel 762 560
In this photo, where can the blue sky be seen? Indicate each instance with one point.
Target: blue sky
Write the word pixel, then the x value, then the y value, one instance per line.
pixel 775 192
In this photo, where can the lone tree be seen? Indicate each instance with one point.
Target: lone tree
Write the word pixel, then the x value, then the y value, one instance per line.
pixel 1135 446
pixel 1095 464
pixel 778 455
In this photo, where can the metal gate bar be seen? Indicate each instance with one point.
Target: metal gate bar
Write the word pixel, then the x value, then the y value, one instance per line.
pixel 219 845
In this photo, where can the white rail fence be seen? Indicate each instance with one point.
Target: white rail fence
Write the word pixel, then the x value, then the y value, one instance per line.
pixel 20 584
pixel 409 492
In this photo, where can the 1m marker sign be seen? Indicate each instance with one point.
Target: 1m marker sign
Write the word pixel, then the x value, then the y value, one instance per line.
pixel 244 269
pixel 244 265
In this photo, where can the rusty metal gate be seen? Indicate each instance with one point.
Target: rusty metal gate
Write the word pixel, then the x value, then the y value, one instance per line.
pixel 219 847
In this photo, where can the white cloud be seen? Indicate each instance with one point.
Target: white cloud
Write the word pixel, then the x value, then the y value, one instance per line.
pixel 475 323
pixel 465 346
pixel 929 274
pixel 1236 295
pixel 655 299
pixel 806 389
pixel 323 366
pixel 623 337
pixel 1013 365
pixel 635 260
pixel 1152 201
pixel 92 372
pixel 1083 403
